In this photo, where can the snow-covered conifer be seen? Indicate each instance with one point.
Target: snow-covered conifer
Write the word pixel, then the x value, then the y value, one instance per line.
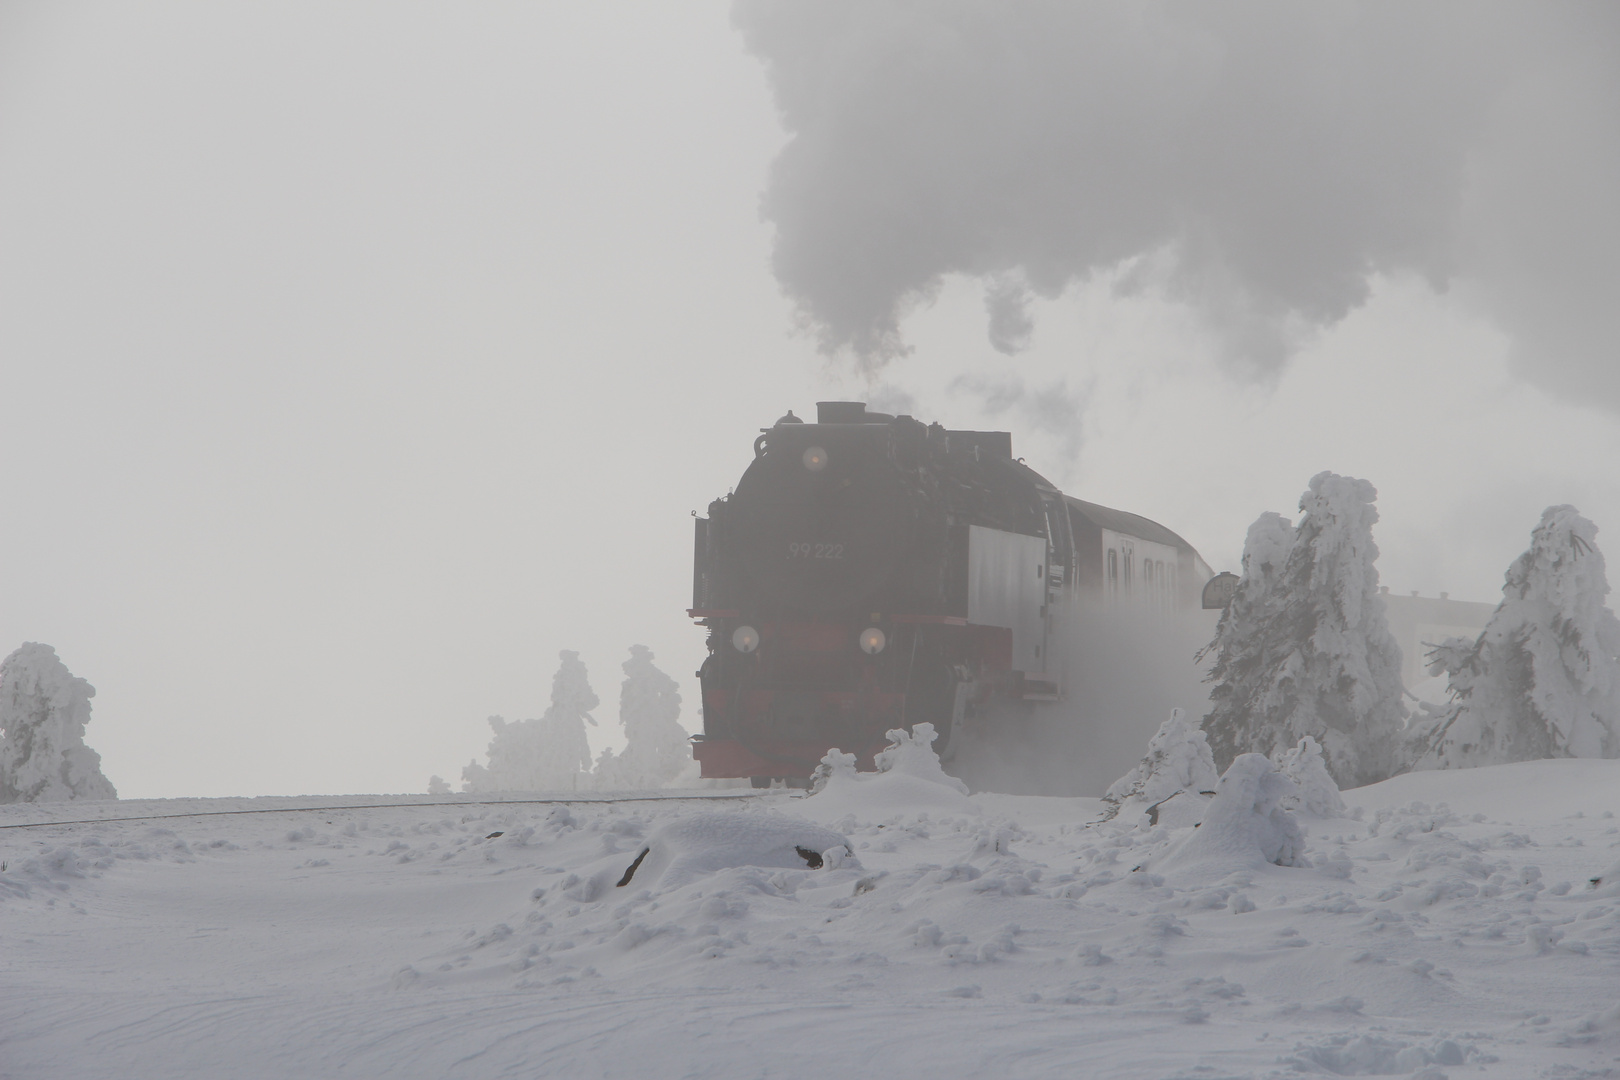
pixel 657 751
pixel 1542 680
pixel 438 785
pixel 43 711
pixel 1310 652
pixel 1178 760
pixel 548 754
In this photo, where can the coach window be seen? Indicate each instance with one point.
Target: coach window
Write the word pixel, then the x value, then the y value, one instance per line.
pixel 1128 561
pixel 1147 574
pixel 1113 570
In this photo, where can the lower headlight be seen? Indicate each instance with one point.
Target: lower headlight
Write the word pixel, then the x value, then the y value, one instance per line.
pixel 872 641
pixel 745 639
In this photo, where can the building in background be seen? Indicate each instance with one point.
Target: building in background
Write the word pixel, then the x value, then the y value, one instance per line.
pixel 1421 622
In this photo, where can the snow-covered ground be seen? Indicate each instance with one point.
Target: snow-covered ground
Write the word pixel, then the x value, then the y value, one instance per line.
pixel 1451 930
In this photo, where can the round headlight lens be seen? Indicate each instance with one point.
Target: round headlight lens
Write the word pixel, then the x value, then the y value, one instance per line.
pixel 745 639
pixel 815 459
pixel 873 640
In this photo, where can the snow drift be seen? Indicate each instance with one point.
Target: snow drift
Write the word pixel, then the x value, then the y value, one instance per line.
pixel 693 847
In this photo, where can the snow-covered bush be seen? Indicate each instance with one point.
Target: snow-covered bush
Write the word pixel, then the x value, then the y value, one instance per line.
pixel 438 785
pixel 1309 651
pixel 43 711
pixel 548 754
pixel 910 780
pixel 1246 824
pixel 836 767
pixel 912 753
pixel 657 752
pixel 1178 762
pixel 1317 793
pixel 1542 680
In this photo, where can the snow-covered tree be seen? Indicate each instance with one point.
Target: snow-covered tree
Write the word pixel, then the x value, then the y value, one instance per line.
pixel 43 711
pixel 656 751
pixel 548 754
pixel 1310 652
pixel 1542 680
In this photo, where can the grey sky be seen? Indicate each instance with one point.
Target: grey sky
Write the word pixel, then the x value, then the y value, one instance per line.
pixel 357 358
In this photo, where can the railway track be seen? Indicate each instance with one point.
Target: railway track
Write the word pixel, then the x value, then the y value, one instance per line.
pixel 557 801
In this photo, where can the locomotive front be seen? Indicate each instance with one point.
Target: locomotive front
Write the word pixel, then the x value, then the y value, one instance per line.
pixel 833 584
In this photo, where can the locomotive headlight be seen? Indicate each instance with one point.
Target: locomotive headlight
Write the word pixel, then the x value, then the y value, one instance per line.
pixel 745 639
pixel 815 459
pixel 872 641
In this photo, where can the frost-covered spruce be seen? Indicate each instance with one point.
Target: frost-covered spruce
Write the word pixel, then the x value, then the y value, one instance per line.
pixel 1310 653
pixel 657 752
pixel 548 754
pixel 43 711
pixel 1178 760
pixel 1542 680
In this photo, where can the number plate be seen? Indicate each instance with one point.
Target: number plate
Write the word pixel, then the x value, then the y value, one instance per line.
pixel 811 550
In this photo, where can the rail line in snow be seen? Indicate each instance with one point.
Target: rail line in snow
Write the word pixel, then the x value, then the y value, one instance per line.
pixel 388 806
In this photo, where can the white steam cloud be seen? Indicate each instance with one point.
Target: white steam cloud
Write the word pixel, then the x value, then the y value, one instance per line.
pixel 1258 159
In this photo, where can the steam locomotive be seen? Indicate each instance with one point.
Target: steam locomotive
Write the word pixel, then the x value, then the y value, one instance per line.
pixel 872 572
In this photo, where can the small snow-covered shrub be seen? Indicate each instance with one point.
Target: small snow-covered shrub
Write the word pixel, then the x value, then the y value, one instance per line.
pixel 912 754
pixel 1178 762
pixel 911 781
pixel 1246 825
pixel 836 767
pixel 44 708
pixel 1317 793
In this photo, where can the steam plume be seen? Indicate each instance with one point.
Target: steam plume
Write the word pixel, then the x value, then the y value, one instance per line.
pixel 1258 159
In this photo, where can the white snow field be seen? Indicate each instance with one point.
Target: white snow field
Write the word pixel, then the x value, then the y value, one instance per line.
pixel 1451 930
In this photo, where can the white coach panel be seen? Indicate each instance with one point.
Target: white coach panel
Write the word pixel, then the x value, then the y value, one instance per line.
pixel 1006 587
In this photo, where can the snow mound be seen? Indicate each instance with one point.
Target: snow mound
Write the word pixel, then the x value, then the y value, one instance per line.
pixel 1375 1055
pixel 911 780
pixel 1171 781
pixel 1246 825
pixel 1317 793
pixel 701 844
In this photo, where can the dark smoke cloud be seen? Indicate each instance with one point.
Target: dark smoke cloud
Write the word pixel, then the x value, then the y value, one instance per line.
pixel 1259 159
